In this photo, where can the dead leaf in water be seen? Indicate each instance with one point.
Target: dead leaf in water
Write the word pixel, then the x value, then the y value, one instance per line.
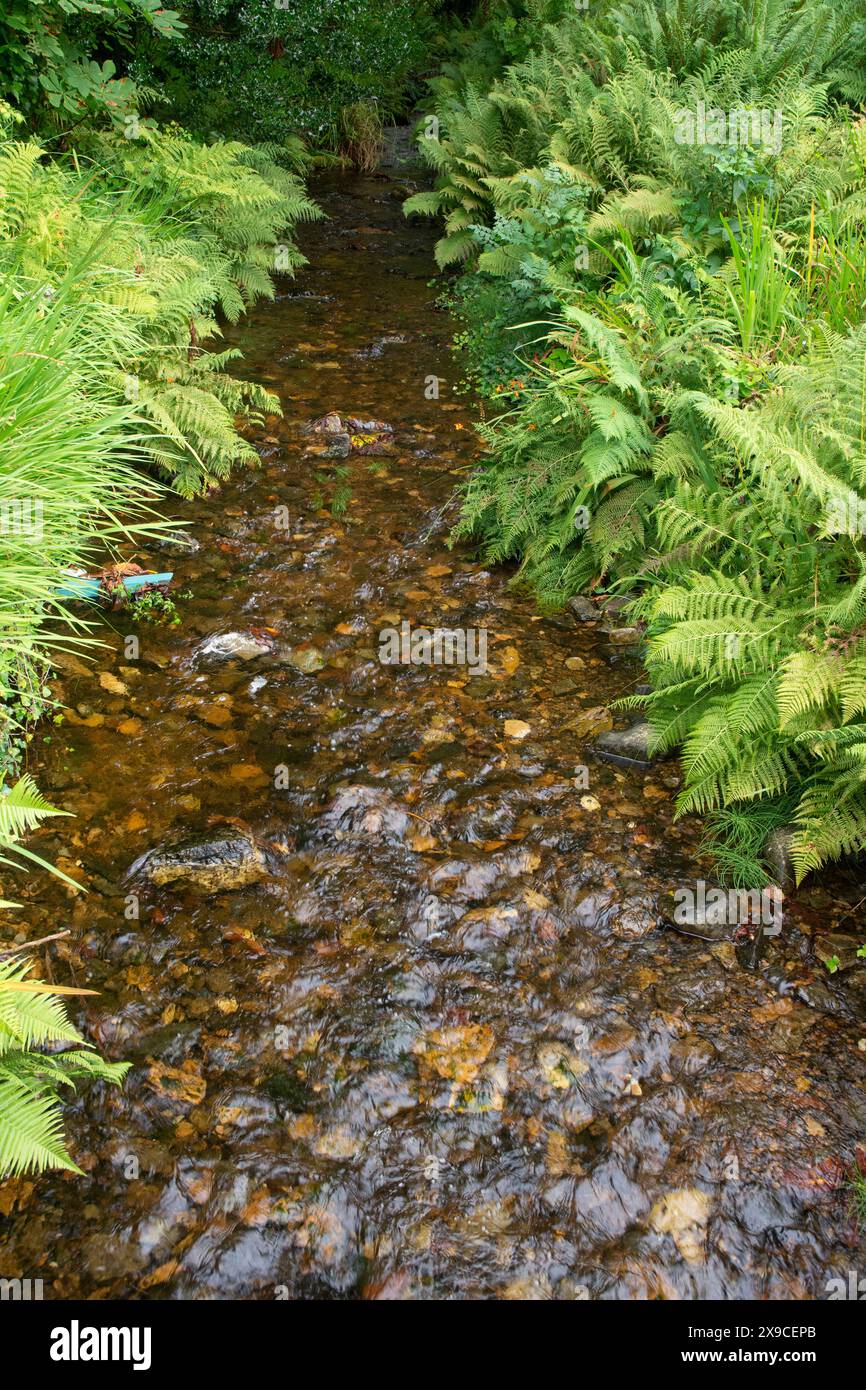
pixel 508 660
pixel 242 772
pixel 184 1083
pixel 457 1053
pixel 258 1209
pixel 160 1275
pixel 768 1013
pixel 420 843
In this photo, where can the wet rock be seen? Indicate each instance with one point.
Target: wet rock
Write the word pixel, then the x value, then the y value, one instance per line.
pixel 590 721
pixel 485 928
pixel 692 1054
pixel 106 1257
pixel 326 424
pixel 626 747
pixel 583 609
pixel 367 811
pixel 789 1033
pixel 624 636
pixel 824 997
pixel 211 864
pixel 339 446
pixel 368 426
pixel 683 1214
pixel 177 543
pixel 306 658
pixel 710 915
pixel 593 911
pixel 238 646
pixel 636 918
pixel 837 951
pixel 69 664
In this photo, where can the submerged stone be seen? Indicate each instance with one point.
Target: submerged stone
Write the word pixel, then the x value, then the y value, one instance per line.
pixel 211 864
pixel 626 746
pixel 241 646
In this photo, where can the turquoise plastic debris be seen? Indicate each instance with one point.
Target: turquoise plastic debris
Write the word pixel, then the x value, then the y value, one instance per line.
pixel 90 588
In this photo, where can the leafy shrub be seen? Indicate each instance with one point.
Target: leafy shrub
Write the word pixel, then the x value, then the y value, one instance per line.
pixel 690 427
pixel 256 70
pixel 49 71
pixel 112 273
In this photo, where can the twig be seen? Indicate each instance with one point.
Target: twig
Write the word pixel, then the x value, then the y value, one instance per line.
pixel 31 945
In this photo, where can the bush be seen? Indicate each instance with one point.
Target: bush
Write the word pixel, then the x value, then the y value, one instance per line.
pixel 689 428
pixel 257 70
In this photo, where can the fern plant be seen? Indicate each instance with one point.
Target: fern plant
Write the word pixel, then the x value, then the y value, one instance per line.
pixel 195 232
pixel 33 1017
pixel 690 423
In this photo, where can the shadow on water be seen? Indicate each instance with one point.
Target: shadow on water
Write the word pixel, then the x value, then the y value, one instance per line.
pixel 439 1046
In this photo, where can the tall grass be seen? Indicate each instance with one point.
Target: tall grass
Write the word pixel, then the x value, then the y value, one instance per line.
pixel 71 485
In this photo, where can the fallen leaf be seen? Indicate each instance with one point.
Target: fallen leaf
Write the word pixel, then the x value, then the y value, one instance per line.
pixel 184 1083
pixel 508 660
pixel 456 1053
pixel 160 1275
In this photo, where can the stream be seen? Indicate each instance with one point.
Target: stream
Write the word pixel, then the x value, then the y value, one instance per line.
pixel 440 1044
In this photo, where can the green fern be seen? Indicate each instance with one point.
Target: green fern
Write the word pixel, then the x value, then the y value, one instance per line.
pixel 33 1016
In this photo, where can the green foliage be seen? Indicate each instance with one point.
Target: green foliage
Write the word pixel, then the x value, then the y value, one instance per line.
pixel 31 1017
pixel 31 1124
pixel 690 428
pixel 257 69
pixel 49 69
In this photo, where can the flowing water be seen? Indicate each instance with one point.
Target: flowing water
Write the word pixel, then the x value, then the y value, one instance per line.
pixel 440 1049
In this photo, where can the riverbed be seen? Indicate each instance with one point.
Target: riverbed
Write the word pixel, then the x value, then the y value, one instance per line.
pixel 445 1046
